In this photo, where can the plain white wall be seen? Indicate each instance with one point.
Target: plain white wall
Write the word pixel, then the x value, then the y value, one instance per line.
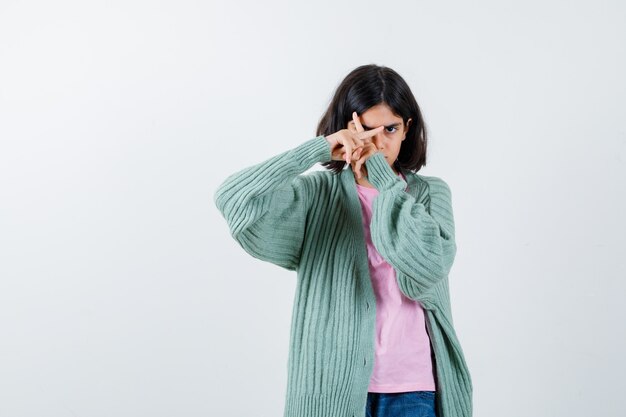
pixel 121 290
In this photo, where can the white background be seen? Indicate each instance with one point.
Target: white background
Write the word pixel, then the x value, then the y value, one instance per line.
pixel 121 290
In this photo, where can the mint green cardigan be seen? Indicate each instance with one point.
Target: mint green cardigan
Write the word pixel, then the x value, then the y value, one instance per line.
pixel 311 223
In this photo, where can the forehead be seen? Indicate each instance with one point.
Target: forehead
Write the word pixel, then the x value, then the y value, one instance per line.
pixel 378 115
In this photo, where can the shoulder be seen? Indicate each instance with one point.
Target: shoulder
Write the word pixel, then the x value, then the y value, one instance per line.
pixel 438 196
pixel 437 187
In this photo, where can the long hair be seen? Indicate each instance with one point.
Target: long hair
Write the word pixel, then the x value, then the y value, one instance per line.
pixel 365 87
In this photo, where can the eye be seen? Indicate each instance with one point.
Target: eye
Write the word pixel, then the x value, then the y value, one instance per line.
pixel 391 127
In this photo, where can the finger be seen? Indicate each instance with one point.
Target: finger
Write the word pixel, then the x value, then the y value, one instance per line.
pixel 359 127
pixel 355 137
pixel 365 155
pixel 352 167
pixel 371 150
pixel 358 142
pixel 355 145
pixel 359 163
pixel 347 144
pixel 356 170
pixel 369 133
pixel 357 122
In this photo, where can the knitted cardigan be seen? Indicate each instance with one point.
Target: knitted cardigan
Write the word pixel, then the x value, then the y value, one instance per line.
pixel 311 223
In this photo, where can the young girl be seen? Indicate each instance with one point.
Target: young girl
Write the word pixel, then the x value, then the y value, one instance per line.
pixel 372 331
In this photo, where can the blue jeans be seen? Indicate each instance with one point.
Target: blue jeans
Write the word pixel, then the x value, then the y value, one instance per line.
pixel 401 404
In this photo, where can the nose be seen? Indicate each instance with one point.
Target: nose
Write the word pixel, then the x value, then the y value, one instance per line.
pixel 377 139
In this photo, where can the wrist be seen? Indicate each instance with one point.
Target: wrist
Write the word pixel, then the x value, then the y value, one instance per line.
pixel 381 174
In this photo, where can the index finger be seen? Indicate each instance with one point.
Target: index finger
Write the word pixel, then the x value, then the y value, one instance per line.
pixel 357 122
pixel 369 133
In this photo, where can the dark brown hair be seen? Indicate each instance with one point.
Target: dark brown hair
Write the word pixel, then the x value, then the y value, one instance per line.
pixel 365 87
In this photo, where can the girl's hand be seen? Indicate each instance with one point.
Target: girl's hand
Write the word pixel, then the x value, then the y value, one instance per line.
pixel 366 151
pixel 348 144
pixel 357 164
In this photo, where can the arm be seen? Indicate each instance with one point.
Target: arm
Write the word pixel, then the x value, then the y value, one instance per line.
pixel 266 205
pixel 416 238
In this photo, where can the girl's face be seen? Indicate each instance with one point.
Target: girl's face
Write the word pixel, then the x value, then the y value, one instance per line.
pixel 389 140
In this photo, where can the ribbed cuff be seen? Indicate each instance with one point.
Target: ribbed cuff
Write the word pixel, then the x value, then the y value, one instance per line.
pixel 313 150
pixel 381 175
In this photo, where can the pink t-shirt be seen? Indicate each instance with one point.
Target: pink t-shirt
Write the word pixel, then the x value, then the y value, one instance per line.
pixel 403 358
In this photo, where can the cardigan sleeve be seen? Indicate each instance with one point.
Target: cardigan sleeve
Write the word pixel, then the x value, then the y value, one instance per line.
pixel 265 205
pixel 415 237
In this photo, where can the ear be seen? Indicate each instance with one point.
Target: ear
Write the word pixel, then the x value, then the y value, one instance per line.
pixel 408 123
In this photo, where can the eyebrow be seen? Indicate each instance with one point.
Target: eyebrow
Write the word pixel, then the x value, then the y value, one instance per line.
pixel 393 125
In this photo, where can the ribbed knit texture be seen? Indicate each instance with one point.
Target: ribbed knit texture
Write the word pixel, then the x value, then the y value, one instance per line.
pixel 311 223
